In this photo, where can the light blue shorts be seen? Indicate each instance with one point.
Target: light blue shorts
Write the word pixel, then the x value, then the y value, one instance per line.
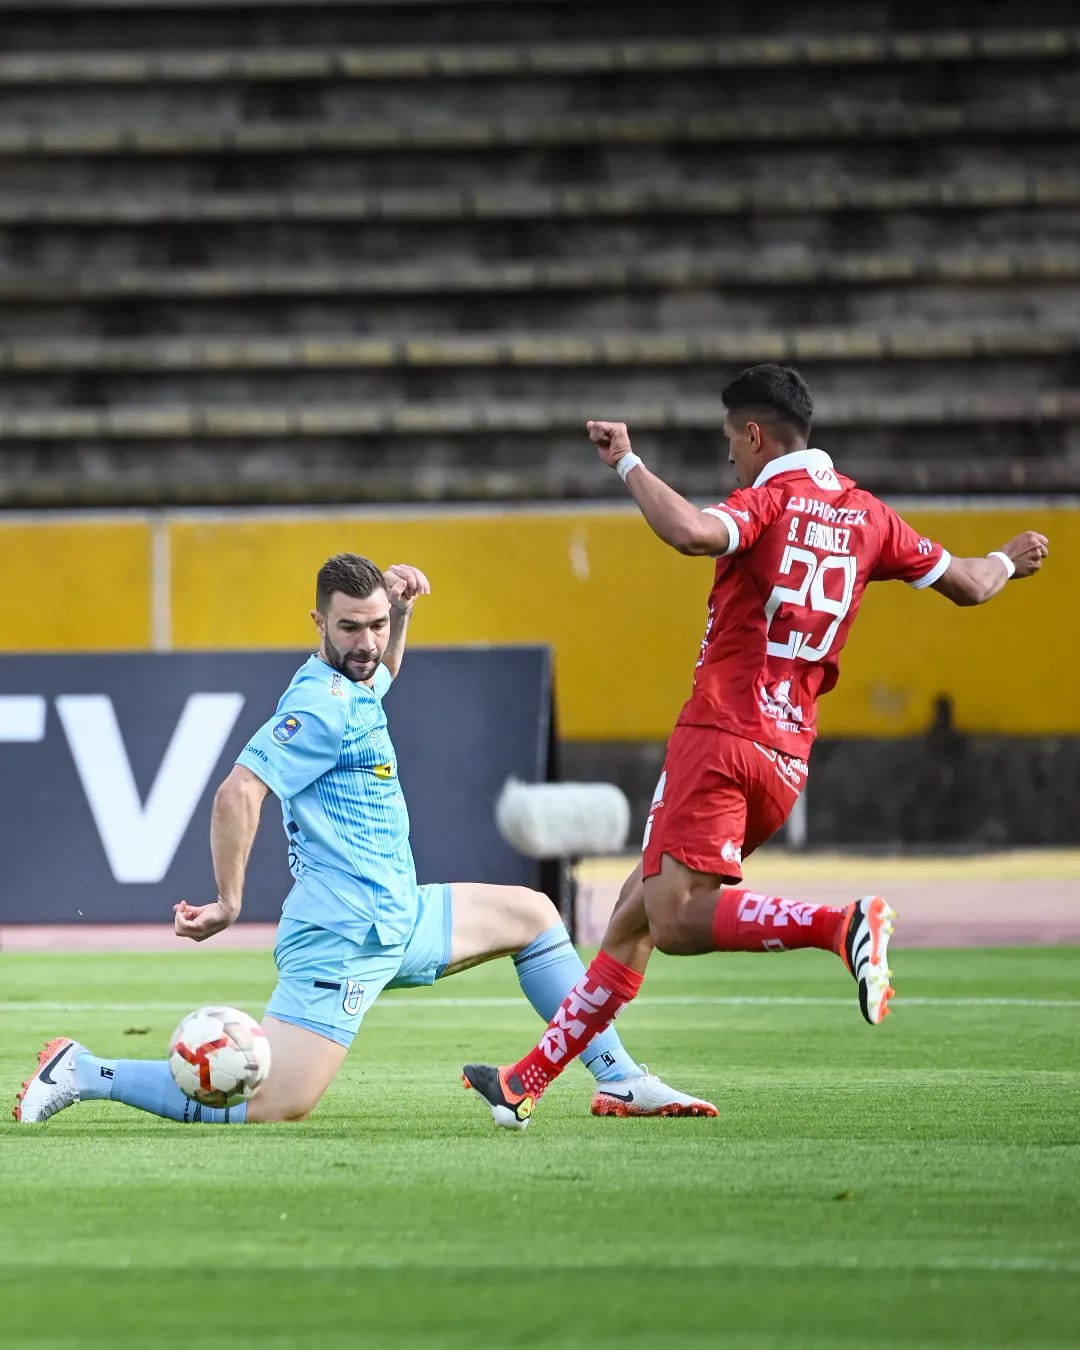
pixel 327 983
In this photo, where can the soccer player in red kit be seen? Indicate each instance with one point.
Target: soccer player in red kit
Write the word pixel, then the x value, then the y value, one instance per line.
pixel 796 546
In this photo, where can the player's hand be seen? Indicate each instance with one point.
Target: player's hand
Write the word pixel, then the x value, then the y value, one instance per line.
pixel 199 922
pixel 612 440
pixel 404 584
pixel 1027 550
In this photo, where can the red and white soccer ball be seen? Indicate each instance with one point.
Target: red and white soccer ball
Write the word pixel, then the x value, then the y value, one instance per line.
pixel 219 1056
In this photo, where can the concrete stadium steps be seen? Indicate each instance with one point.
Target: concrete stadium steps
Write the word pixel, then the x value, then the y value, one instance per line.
pixel 83 24
pixel 494 20
pixel 394 451
pixel 475 277
pixel 732 53
pixel 156 89
pixel 561 202
pixel 740 127
pixel 200 422
pixel 248 243
pixel 495 351
pixel 140 383
pixel 589 387
pixel 514 223
pixel 683 293
pixel 75 25
pixel 421 179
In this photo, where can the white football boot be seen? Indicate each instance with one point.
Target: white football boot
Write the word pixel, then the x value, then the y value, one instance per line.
pixel 865 950
pixel 646 1095
pixel 53 1085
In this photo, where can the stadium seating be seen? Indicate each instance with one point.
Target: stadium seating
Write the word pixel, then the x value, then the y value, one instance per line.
pixel 444 233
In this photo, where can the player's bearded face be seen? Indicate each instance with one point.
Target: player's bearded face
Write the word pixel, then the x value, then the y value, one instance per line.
pixel 355 633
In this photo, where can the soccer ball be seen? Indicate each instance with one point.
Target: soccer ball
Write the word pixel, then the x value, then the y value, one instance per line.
pixel 219 1056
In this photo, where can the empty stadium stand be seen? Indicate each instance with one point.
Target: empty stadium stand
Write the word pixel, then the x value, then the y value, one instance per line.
pixel 258 251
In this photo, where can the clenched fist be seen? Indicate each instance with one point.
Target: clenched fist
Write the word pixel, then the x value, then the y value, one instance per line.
pixel 612 440
pixel 404 584
pixel 1028 551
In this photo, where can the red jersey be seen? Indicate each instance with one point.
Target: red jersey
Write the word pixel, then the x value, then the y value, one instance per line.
pixel 805 541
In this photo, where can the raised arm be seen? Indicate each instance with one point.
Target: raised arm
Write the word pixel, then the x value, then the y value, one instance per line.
pixel 234 823
pixel 403 585
pixel 973 581
pixel 677 521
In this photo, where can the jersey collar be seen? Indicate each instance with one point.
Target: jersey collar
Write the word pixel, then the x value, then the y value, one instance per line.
pixel 814 462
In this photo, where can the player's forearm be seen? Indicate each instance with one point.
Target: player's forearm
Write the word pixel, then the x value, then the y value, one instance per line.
pixel 234 823
pixel 677 521
pixel 395 647
pixel 973 581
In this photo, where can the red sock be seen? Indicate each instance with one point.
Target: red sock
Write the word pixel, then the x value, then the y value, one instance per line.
pixel 586 1010
pixel 747 921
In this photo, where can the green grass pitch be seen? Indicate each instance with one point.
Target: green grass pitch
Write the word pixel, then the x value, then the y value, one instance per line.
pixel 913 1185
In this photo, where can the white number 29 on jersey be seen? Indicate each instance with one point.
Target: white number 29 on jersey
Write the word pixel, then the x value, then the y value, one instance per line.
pixel 809 596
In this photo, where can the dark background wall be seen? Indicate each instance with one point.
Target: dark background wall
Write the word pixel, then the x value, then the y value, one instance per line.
pixel 462 722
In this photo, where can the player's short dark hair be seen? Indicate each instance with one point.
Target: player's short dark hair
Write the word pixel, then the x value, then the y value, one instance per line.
pixel 350 574
pixel 773 393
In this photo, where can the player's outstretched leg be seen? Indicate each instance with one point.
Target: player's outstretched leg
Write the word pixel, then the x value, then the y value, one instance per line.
pixel 548 968
pixel 489 920
pixel 53 1085
pixel 587 1010
pixel 68 1073
pixel 865 949
pixel 750 921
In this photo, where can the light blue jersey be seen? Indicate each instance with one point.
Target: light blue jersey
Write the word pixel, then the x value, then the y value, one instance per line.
pixel 327 754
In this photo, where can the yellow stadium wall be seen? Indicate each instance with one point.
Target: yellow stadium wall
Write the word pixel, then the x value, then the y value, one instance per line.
pixel 75 584
pixel 623 612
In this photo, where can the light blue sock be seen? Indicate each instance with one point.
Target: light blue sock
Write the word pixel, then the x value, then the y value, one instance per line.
pixel 547 969
pixel 148 1085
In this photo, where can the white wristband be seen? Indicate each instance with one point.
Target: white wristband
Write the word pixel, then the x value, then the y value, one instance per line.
pixel 1010 566
pixel 626 463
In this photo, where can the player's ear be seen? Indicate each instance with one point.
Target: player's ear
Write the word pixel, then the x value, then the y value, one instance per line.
pixel 318 620
pixel 753 435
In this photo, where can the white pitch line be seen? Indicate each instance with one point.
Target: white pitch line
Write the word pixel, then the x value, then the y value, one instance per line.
pixel 658 1001
pixel 894 1265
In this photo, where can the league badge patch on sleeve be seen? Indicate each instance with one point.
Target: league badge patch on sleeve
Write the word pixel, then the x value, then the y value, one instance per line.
pixel 287 728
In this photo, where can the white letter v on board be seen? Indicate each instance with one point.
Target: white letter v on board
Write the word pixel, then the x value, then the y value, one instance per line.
pixel 141 841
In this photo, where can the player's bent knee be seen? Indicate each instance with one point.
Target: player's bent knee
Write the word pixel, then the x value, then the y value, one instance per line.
pixel 271 1110
pixel 534 911
pixel 672 931
pixel 303 1065
pixel 670 939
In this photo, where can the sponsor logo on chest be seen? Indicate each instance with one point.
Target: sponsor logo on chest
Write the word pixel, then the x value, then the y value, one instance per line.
pixel 832 515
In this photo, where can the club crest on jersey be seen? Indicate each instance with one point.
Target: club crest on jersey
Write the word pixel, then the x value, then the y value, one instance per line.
pixel 354 997
pixel 286 729
pixel 731 853
pixel 788 716
pixel 336 686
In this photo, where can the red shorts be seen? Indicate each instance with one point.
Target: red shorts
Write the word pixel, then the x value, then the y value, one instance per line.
pixel 719 797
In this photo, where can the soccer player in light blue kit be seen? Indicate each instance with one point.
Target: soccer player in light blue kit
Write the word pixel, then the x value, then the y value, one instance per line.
pixel 355 922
